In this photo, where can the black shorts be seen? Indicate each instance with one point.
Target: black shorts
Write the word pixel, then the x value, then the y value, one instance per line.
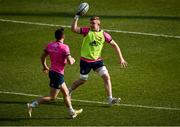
pixel 85 67
pixel 56 79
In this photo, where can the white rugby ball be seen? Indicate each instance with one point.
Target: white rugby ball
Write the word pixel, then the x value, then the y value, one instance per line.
pixel 83 8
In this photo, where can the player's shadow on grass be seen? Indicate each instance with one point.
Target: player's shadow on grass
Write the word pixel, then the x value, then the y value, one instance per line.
pixel 33 118
pixel 91 105
pixel 54 103
pixel 22 103
pixel 61 103
pixel 70 15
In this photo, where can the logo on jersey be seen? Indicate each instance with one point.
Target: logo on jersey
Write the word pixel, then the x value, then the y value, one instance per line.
pixel 93 43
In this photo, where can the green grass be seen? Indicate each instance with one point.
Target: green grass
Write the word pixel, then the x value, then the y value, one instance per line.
pixel 151 79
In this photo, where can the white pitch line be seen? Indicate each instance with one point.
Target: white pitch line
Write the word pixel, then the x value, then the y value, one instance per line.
pixel 147 34
pixel 116 31
pixel 32 23
pixel 97 102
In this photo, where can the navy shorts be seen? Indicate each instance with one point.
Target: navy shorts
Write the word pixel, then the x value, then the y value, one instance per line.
pixel 85 67
pixel 56 79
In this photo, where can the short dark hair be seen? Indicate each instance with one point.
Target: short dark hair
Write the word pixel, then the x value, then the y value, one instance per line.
pixel 59 33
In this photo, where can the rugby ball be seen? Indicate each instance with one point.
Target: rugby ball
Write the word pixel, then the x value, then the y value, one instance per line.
pixel 83 8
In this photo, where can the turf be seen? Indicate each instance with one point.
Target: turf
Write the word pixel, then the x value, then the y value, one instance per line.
pixel 151 79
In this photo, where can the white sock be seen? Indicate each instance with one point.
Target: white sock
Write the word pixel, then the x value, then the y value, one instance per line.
pixel 71 109
pixel 34 104
pixel 110 98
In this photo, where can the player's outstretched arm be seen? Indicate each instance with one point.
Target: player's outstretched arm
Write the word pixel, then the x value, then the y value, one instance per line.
pixel 118 51
pixel 82 10
pixel 74 26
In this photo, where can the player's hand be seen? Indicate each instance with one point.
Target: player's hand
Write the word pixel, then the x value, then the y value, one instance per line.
pixel 46 70
pixel 73 60
pixel 78 13
pixel 123 63
pixel 76 16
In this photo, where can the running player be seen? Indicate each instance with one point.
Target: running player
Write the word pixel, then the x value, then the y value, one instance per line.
pixel 59 55
pixel 93 41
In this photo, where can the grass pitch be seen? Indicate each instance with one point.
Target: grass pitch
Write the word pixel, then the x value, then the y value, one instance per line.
pixel 151 79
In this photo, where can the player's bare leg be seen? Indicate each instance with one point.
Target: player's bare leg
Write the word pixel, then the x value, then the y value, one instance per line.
pixel 52 96
pixel 67 100
pixel 108 88
pixel 103 72
pixel 76 84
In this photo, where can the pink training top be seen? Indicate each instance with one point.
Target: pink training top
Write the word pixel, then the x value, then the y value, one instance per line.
pixel 58 53
pixel 84 32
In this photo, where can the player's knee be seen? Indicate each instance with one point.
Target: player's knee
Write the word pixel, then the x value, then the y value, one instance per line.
pixel 66 95
pixel 83 78
pixel 52 98
pixel 103 72
pixel 106 77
